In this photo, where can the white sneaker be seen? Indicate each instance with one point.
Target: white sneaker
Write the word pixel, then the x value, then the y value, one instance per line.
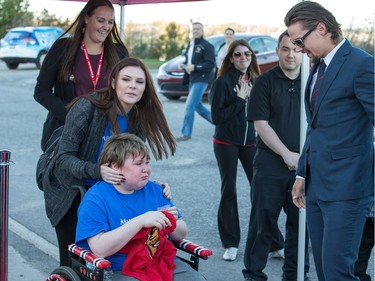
pixel 279 254
pixel 230 254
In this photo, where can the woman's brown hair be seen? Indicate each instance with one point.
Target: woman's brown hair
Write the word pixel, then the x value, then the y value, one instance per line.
pixel 146 116
pixel 253 70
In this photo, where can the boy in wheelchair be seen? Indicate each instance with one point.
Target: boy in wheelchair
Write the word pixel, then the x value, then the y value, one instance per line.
pixel 131 223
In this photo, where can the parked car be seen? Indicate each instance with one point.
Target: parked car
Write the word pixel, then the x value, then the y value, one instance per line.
pixel 27 45
pixel 169 77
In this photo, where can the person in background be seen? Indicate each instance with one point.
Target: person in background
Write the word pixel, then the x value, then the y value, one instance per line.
pixel 366 246
pixel 130 223
pixel 365 249
pixel 335 172
pixel 126 105
pixel 78 62
pixel 199 70
pixel 274 108
pixel 228 38
pixel 234 137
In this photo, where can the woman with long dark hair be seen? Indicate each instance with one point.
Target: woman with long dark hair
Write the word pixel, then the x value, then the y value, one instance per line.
pixel 128 104
pixel 78 62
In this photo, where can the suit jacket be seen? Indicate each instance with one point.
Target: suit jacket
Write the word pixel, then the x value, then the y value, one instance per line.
pixel 339 139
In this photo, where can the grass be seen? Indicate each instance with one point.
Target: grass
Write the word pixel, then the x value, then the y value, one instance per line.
pixel 152 63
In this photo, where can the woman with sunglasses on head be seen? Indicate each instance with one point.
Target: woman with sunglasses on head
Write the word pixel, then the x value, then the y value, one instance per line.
pixel 234 137
pixel 78 62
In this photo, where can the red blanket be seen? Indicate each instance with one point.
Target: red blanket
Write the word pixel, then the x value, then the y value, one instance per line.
pixel 150 254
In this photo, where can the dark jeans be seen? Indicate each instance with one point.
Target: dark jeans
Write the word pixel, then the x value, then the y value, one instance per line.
pixel 227 157
pixel 271 192
pixel 66 231
pixel 367 243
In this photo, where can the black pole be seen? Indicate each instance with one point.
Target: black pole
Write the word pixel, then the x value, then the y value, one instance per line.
pixel 4 198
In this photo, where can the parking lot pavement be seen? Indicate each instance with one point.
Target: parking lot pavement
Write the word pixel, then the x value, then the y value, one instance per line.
pixel 19 269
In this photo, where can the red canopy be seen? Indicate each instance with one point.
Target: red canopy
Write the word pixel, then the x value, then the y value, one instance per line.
pixel 131 2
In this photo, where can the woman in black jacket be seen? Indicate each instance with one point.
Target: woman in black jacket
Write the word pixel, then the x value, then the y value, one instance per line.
pixel 78 62
pixel 234 136
pixel 130 104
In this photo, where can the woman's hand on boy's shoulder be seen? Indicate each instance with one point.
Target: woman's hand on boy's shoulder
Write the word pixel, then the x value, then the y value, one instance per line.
pixel 166 189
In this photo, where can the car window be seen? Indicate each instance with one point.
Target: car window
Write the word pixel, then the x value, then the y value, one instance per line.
pixel 16 35
pixel 257 45
pixel 270 44
pixel 46 37
pixel 216 42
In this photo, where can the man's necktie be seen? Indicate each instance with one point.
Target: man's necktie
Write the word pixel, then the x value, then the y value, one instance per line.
pixel 318 82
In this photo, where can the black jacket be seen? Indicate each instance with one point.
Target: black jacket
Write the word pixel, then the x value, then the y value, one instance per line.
pixel 204 61
pixel 55 95
pixel 229 111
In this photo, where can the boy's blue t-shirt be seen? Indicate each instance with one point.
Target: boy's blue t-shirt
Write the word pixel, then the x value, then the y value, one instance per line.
pixel 103 208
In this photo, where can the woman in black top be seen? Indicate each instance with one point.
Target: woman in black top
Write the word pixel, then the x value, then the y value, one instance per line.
pixel 78 62
pixel 234 136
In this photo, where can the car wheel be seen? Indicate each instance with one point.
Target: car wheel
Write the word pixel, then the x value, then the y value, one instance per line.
pixel 173 97
pixel 66 273
pixel 40 59
pixel 12 65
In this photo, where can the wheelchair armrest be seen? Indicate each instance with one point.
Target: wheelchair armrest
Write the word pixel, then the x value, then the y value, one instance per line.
pixel 88 256
pixel 192 248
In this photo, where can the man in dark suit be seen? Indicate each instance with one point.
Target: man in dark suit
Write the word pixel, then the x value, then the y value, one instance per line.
pixel 336 164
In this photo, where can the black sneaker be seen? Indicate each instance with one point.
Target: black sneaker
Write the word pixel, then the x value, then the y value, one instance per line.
pixel 306 278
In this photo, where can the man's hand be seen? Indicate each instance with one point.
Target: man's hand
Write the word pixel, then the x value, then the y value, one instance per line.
pixel 291 160
pixel 298 193
pixel 190 68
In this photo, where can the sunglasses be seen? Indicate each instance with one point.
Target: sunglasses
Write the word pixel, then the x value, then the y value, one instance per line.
pixel 300 41
pixel 239 54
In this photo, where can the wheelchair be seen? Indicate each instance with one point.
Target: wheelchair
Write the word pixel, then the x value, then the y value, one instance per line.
pixel 85 266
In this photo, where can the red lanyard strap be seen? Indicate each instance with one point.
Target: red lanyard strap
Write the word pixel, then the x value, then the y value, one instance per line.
pixel 94 78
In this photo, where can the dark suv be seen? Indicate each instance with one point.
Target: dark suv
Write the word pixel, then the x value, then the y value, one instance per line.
pixel 27 44
pixel 169 76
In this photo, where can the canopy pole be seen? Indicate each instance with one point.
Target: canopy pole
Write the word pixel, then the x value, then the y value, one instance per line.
pixel 122 20
pixel 305 70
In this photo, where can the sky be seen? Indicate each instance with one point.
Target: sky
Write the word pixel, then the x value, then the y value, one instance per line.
pixel 246 12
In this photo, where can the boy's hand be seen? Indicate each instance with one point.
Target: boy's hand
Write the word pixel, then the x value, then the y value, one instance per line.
pixel 173 211
pixel 155 218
